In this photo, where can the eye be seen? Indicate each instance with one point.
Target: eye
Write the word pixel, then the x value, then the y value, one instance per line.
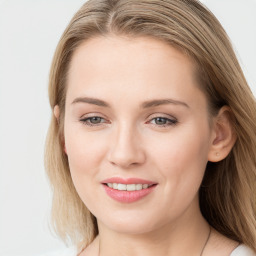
pixel 93 121
pixel 163 121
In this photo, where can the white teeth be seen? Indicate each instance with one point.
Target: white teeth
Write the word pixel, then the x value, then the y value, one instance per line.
pixel 121 186
pixel 138 186
pixel 130 187
pixel 144 186
pixel 127 187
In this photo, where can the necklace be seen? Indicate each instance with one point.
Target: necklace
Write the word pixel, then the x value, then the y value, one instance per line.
pixel 206 242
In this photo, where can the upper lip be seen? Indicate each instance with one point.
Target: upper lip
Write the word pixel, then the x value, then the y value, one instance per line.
pixel 128 181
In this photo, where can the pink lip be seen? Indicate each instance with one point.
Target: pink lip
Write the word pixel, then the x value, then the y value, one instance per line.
pixel 128 196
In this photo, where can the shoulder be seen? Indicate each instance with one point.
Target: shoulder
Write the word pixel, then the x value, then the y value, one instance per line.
pixel 222 245
pixel 242 250
pixel 71 251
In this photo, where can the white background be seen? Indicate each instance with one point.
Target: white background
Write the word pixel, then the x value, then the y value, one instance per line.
pixel 29 32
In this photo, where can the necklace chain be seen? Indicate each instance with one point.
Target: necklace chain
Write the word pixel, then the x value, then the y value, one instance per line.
pixel 206 242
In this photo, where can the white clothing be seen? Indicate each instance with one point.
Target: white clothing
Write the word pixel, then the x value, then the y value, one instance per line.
pixel 241 250
pixel 72 251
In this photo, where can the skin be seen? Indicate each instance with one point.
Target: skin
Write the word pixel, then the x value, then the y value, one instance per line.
pixel 127 140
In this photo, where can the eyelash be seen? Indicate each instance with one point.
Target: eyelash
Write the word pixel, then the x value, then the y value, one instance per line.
pixel 85 121
pixel 171 122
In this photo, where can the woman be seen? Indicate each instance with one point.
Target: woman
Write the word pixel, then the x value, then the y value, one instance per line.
pixel 151 147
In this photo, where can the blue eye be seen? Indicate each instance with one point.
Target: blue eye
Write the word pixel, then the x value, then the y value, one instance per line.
pixel 163 121
pixel 92 121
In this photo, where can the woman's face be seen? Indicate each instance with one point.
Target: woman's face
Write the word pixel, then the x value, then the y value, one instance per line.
pixel 135 117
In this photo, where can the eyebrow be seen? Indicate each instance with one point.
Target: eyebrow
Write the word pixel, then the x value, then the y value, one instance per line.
pixel 93 101
pixel 155 103
pixel 146 104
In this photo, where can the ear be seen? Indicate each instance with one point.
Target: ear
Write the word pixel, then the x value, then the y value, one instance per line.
pixel 56 112
pixel 224 136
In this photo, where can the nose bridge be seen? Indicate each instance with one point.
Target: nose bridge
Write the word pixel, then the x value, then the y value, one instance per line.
pixel 126 148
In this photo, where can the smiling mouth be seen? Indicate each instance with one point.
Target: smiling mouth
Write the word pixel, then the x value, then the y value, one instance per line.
pixel 128 187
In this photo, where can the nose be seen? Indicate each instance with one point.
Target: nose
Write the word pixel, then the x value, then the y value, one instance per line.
pixel 126 148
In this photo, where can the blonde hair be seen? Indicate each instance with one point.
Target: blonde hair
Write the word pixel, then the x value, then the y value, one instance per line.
pixel 227 194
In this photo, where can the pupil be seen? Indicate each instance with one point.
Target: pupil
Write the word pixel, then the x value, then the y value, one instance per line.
pixel 160 120
pixel 95 120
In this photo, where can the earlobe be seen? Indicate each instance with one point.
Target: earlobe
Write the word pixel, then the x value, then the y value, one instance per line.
pixel 224 136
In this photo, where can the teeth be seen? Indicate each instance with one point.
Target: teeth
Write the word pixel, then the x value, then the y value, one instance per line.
pixel 130 187
pixel 138 186
pixel 121 186
pixel 110 185
pixel 127 187
pixel 144 186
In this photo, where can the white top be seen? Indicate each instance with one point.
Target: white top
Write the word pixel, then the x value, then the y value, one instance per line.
pixel 72 251
pixel 241 250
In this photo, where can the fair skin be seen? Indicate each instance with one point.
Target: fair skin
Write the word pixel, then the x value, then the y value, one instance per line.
pixel 168 143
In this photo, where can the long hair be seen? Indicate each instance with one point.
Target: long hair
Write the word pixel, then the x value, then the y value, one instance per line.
pixel 227 194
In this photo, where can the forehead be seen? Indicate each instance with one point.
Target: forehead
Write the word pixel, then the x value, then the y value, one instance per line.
pixel 140 52
pixel 130 66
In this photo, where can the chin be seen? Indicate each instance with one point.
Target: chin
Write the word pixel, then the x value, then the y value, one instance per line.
pixel 136 223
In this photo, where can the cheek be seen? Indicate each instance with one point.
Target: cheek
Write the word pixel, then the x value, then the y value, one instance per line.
pixel 186 146
pixel 83 148
pixel 181 161
pixel 182 157
pixel 85 152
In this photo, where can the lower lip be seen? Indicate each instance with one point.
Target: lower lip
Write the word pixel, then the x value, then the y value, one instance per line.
pixel 128 196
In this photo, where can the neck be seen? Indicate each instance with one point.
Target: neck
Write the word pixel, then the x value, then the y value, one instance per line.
pixel 170 239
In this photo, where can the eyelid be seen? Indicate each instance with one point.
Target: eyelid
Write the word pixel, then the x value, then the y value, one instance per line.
pixel 84 119
pixel 167 116
pixel 91 114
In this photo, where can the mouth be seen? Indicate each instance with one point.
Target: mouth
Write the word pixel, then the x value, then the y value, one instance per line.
pixel 128 187
pixel 128 190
